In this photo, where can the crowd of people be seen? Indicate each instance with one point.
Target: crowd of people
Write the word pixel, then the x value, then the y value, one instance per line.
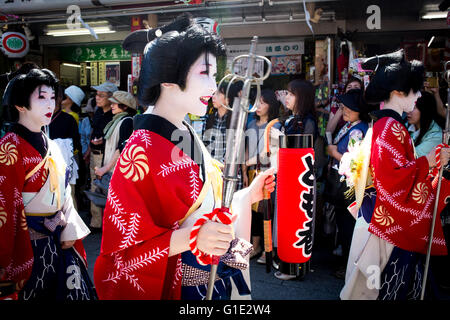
pixel 114 155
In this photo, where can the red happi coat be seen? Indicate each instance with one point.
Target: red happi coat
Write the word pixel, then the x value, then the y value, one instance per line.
pixel 17 159
pixel 152 188
pixel 405 196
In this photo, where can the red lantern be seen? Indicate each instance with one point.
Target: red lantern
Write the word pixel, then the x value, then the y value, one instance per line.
pixel 295 204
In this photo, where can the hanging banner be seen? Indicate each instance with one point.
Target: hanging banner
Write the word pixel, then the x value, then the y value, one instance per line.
pixel 14 44
pixel 282 65
pixel 112 71
pixel 83 74
pixel 94 74
pixel 295 204
pixel 101 72
pixel 136 61
pixel 130 83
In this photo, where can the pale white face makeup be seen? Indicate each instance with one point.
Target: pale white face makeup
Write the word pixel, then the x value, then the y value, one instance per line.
pixel 401 103
pixel 200 85
pixel 174 103
pixel 42 105
pixel 410 101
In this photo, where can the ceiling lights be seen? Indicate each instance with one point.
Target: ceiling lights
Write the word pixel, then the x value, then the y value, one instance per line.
pixel 432 11
pixel 435 15
pixel 61 30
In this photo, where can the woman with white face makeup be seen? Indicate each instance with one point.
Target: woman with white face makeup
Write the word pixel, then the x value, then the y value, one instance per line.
pixel 393 223
pixel 165 180
pixel 40 231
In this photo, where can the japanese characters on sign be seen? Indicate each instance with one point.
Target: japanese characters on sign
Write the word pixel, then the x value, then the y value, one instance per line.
pixel 83 74
pixel 94 74
pixel 95 53
pixel 295 205
pixel 101 72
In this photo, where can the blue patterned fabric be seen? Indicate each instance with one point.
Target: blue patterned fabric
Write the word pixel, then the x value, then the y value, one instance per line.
pixel 222 287
pixel 402 276
pixel 57 274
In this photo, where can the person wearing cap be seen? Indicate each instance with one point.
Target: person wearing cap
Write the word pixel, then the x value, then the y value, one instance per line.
pixel 356 114
pixel 118 130
pixel 73 98
pixel 102 116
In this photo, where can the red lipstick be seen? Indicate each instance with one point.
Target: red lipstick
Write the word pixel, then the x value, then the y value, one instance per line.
pixel 205 100
pixel 48 115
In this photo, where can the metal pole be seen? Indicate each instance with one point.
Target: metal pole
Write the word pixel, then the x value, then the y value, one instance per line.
pixel 445 136
pixel 235 137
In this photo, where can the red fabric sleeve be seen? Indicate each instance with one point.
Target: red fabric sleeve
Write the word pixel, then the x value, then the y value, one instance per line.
pixel 139 218
pixel 405 197
pixel 16 255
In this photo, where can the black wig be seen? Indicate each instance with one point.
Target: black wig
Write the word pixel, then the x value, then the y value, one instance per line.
pixel 20 88
pixel 169 55
pixel 392 72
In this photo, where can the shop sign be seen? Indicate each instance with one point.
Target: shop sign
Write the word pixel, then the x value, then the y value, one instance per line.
pixel 95 53
pixel 288 48
pixel 268 49
pixel 14 44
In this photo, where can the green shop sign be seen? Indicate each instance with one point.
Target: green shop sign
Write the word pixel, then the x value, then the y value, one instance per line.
pixel 112 52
